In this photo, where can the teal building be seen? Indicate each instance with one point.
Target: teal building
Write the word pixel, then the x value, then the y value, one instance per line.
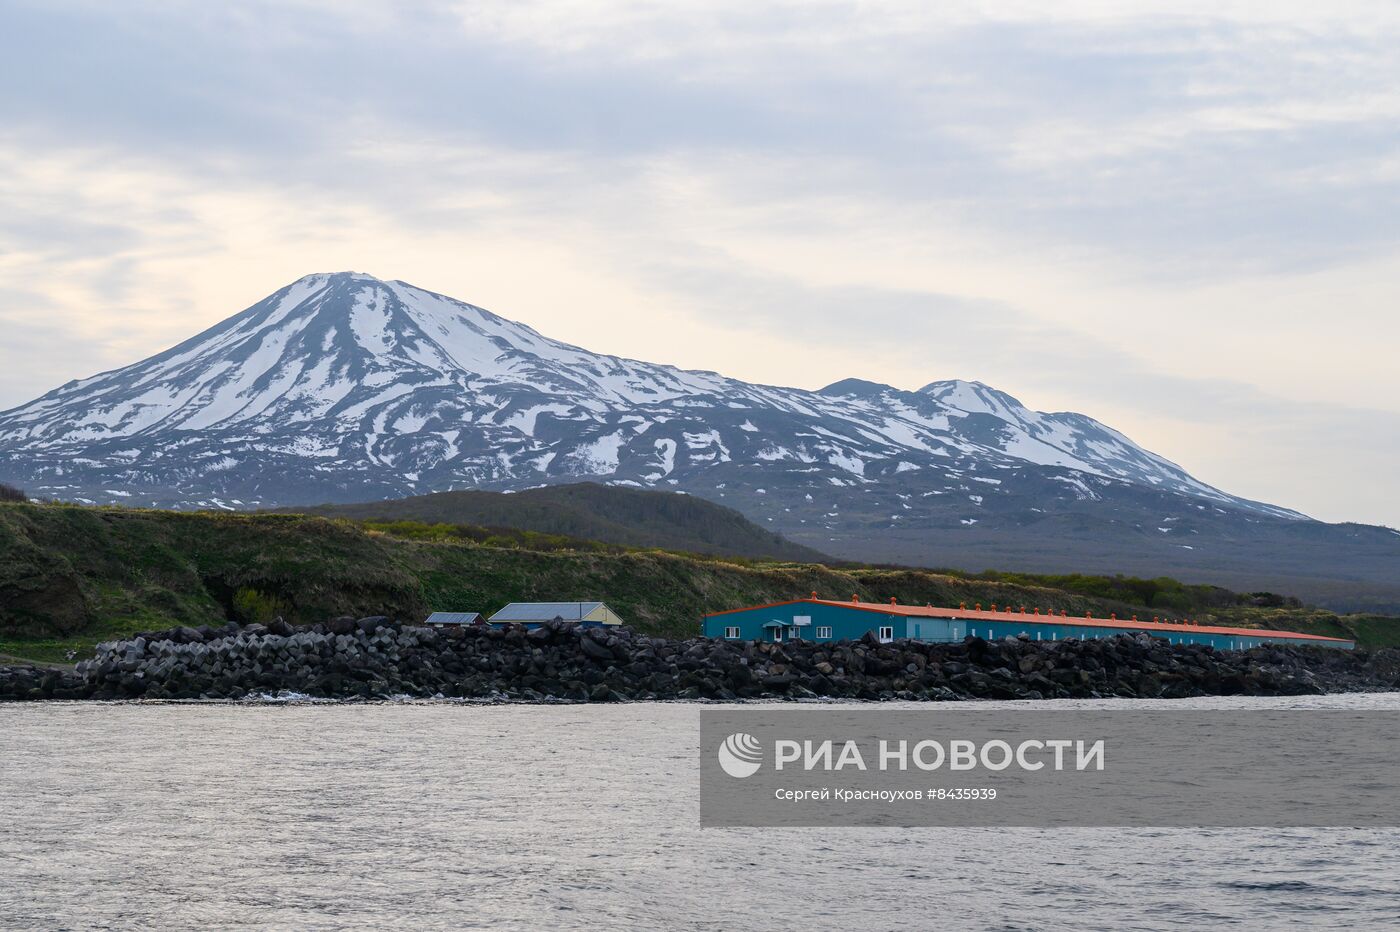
pixel 819 620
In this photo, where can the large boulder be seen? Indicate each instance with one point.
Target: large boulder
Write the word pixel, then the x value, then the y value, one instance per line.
pixel 595 651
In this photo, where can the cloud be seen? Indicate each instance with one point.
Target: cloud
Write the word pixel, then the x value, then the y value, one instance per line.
pixel 1182 219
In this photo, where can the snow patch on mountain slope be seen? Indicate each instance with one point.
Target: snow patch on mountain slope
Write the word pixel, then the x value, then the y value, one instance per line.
pixel 524 421
pixel 600 457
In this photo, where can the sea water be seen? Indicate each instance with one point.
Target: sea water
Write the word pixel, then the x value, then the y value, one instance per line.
pixel 447 815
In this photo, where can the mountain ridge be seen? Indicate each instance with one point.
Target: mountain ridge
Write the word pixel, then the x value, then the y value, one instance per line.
pixel 589 511
pixel 341 388
pixel 426 341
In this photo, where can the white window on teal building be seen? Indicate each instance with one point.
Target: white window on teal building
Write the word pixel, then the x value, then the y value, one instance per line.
pixel 823 632
pixel 794 634
pixel 732 632
pixel 886 633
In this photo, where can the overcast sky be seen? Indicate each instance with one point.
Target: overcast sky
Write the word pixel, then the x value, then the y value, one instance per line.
pixel 1183 220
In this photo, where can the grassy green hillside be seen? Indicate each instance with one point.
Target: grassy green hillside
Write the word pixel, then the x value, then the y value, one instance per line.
pixel 71 576
pixel 589 511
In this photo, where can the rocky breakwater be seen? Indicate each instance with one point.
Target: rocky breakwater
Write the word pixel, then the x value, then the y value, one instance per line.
pixel 377 658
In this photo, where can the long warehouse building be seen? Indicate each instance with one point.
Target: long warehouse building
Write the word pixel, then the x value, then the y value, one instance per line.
pixel 817 619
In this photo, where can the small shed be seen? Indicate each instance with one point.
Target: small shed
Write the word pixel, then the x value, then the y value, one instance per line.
pixel 452 619
pixel 534 614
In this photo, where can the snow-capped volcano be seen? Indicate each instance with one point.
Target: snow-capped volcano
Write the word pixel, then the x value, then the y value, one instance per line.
pixel 346 384
pixel 345 388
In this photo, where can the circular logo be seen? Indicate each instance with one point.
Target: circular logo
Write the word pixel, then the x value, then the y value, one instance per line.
pixel 740 755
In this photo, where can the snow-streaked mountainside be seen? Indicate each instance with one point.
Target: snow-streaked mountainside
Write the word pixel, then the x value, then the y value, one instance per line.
pixel 343 387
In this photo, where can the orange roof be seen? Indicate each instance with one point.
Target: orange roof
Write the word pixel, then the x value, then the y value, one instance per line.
pixel 1029 617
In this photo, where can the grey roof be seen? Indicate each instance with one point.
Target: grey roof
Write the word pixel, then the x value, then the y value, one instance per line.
pixel 545 611
pixel 452 618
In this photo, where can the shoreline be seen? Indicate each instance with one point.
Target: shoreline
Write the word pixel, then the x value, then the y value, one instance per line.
pixel 375 659
pixel 551 702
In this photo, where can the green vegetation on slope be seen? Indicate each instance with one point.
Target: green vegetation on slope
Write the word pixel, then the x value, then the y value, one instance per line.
pixel 1163 592
pixel 588 511
pixel 71 576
